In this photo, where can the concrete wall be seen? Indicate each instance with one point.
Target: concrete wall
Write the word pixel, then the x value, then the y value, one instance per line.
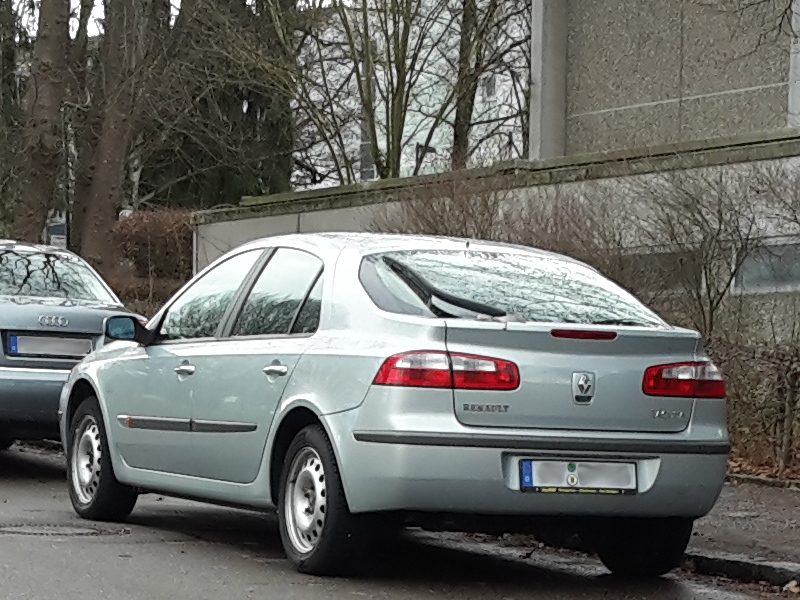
pixel 212 240
pixel 355 208
pixel 666 71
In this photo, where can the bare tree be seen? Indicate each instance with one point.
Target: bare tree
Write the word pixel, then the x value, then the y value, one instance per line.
pixel 395 83
pixel 126 37
pixel 45 95
pixel 770 19
pixel 492 36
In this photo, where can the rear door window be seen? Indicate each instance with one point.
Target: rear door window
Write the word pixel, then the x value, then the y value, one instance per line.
pixel 279 292
pixel 501 285
pixel 307 320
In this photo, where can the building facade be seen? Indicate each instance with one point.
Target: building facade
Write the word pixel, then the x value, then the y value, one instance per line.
pixel 616 74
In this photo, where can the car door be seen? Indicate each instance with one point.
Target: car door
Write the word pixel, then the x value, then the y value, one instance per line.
pixel 240 380
pixel 148 390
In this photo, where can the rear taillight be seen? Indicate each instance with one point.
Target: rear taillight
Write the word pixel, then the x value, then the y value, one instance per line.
pixel 448 370
pixel 685 380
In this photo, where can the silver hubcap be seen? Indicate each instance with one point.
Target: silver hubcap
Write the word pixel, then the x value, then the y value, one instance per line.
pixel 86 458
pixel 305 500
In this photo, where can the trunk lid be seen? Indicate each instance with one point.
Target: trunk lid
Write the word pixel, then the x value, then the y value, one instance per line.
pixel 573 384
pixel 51 323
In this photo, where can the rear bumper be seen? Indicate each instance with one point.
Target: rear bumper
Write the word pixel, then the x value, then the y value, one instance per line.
pixel 395 471
pixel 29 397
pixel 548 444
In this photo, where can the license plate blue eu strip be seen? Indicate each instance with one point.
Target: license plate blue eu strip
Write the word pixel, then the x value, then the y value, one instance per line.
pixel 12 345
pixel 527 473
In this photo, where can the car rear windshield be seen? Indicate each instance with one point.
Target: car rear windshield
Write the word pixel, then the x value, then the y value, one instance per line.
pixel 516 286
pixel 49 275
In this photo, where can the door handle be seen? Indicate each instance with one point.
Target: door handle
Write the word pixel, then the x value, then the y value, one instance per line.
pixel 185 370
pixel 276 370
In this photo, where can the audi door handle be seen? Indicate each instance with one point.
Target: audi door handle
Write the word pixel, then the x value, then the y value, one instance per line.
pixel 185 370
pixel 276 370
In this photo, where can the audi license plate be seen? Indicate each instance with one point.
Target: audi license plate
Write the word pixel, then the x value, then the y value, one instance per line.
pixel 578 477
pixel 21 345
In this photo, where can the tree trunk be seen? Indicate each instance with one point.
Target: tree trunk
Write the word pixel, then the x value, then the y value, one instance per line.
pixel 466 86
pixel 8 61
pixel 44 136
pixel 126 30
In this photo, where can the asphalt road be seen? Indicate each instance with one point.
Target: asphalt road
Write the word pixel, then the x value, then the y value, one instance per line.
pixel 174 549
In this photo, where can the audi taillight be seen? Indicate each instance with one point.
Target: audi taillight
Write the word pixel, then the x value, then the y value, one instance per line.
pixel 448 370
pixel 685 380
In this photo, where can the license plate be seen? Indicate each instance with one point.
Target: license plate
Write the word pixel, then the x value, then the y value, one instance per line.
pixel 47 346
pixel 578 477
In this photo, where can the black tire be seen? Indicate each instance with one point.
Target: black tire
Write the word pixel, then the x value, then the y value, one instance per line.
pixel 103 498
pixel 5 444
pixel 337 547
pixel 642 548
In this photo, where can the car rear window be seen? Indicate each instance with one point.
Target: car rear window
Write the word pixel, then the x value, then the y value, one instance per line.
pixel 49 275
pixel 524 286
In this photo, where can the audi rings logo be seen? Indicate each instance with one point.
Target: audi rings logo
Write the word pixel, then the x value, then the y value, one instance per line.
pixel 51 321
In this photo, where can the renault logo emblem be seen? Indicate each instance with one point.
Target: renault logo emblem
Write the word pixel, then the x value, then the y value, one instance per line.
pixel 53 321
pixel 583 387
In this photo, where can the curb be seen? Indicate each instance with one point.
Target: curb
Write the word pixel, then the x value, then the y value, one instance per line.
pixel 740 567
pixel 765 481
pixel 743 568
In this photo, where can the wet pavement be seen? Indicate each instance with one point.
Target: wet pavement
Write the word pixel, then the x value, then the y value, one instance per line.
pixel 177 549
pixel 753 520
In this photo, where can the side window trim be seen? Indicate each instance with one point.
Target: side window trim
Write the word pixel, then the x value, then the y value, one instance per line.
pixel 302 305
pixel 225 316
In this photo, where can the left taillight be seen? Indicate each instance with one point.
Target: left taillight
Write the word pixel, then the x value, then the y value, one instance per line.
pixel 685 380
pixel 448 370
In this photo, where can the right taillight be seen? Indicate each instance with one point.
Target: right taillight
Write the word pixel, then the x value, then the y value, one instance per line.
pixel 448 370
pixel 685 380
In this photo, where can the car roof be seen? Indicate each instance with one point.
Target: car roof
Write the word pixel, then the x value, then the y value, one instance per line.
pixel 370 243
pixel 28 247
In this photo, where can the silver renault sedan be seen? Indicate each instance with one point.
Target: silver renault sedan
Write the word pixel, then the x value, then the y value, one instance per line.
pixel 361 383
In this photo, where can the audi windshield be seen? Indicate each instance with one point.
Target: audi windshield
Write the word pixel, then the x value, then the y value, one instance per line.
pixel 50 275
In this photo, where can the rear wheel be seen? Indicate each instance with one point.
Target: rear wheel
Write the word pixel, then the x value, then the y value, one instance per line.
pixel 642 548
pixel 93 489
pixel 319 534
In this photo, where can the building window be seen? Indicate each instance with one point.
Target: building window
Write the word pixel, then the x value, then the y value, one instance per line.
pixel 654 272
pixel 773 268
pixel 489 85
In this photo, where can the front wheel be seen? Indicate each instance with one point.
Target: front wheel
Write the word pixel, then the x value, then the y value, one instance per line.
pixel 94 491
pixel 319 534
pixel 642 548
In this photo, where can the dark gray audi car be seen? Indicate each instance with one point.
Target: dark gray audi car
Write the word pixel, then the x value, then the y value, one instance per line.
pixel 52 308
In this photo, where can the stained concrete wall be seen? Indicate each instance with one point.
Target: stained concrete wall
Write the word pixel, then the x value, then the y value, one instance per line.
pixel 666 71
pixel 212 240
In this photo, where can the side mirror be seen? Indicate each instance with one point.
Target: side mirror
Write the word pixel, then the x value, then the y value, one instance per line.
pixel 126 328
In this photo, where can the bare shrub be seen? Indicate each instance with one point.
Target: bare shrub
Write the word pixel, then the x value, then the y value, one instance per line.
pixel 158 243
pixel 144 295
